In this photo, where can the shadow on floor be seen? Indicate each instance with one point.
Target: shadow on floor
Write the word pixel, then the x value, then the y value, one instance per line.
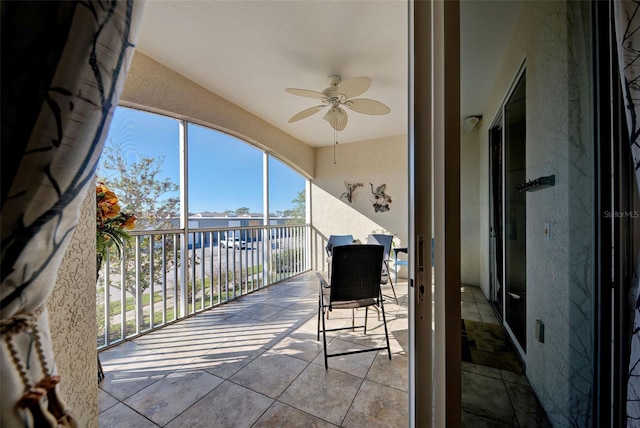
pixel 495 389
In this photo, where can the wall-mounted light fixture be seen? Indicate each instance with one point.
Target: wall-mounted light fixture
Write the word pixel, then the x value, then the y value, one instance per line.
pixel 471 122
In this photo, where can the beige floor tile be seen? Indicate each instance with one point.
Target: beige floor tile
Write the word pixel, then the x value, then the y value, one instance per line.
pixel 105 401
pixel 467 296
pixel 469 307
pixel 392 309
pixel 124 354
pixel 226 360
pixel 125 382
pixel 263 344
pixel 490 319
pixel 517 378
pixel 399 339
pixel 121 416
pixel 265 335
pixel 284 303
pixel 482 370
pixel 485 309
pixel 308 302
pixel 377 405
pixel 172 395
pixel 469 420
pixel 393 373
pixel 478 292
pixel 294 318
pixel 334 321
pixel 354 364
pixel 472 316
pixel 282 416
pixel 303 292
pixel 301 345
pixel 153 361
pixel 526 405
pixel 486 397
pixel 261 311
pixel 183 346
pixel 375 336
pixel 326 394
pixel 269 374
pixel 227 406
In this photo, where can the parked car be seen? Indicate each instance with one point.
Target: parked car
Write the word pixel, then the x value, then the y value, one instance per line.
pixel 233 243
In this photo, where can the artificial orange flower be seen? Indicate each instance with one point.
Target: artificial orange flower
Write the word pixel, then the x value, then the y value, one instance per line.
pixel 110 211
pixel 110 197
pixel 129 223
pixel 111 222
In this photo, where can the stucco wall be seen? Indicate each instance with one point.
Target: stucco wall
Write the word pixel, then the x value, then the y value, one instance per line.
pixel 469 208
pixel 559 271
pixel 72 316
pixel 153 87
pixel 380 161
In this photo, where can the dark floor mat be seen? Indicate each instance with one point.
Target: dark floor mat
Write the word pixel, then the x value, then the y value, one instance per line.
pixel 488 345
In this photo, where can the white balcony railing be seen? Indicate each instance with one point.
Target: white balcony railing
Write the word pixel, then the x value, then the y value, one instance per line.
pixel 167 275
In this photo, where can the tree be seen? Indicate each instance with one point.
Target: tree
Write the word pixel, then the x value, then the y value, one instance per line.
pixel 142 192
pixel 139 188
pixel 298 212
pixel 242 211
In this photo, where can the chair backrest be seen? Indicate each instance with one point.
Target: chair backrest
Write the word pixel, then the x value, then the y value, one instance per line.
pixel 355 272
pixel 384 240
pixel 336 240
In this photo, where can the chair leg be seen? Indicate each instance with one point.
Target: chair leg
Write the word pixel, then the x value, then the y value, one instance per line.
pixel 391 282
pixel 384 322
pixel 377 311
pixel 319 312
pixel 324 343
pixel 366 312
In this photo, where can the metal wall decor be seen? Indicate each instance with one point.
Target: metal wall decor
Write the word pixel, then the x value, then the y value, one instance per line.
pixel 348 194
pixel 382 200
pixel 537 184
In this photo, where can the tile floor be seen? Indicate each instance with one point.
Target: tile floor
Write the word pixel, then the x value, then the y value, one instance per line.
pixel 256 362
pixel 492 397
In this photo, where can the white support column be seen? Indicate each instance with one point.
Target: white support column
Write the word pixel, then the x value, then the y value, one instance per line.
pixel 307 220
pixel 266 238
pixel 184 217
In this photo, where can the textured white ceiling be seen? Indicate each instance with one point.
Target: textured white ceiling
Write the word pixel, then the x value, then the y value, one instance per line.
pixel 485 30
pixel 250 51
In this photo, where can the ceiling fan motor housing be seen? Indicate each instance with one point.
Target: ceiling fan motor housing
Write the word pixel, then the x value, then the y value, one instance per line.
pixel 334 80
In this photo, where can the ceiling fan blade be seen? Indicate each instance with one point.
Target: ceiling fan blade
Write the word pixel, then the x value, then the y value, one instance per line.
pixel 337 118
pixel 367 106
pixel 305 93
pixel 354 87
pixel 306 113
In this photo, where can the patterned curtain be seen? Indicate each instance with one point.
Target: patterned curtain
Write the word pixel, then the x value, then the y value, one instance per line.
pixel 63 67
pixel 627 29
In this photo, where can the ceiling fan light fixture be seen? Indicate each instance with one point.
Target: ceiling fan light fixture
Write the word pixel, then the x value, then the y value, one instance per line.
pixel 471 122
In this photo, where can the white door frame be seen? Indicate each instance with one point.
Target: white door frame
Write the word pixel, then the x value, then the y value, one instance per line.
pixel 434 175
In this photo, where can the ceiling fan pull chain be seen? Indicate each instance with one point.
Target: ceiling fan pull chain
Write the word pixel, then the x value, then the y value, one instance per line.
pixel 335 139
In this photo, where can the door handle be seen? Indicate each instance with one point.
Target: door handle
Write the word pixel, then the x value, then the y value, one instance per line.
pixel 513 295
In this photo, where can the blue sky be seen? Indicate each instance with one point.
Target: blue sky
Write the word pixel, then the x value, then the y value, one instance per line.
pixel 224 172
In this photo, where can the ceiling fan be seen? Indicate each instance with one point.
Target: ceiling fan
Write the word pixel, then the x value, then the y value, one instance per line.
pixel 340 94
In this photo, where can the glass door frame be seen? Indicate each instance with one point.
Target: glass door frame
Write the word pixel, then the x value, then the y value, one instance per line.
pixel 499 120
